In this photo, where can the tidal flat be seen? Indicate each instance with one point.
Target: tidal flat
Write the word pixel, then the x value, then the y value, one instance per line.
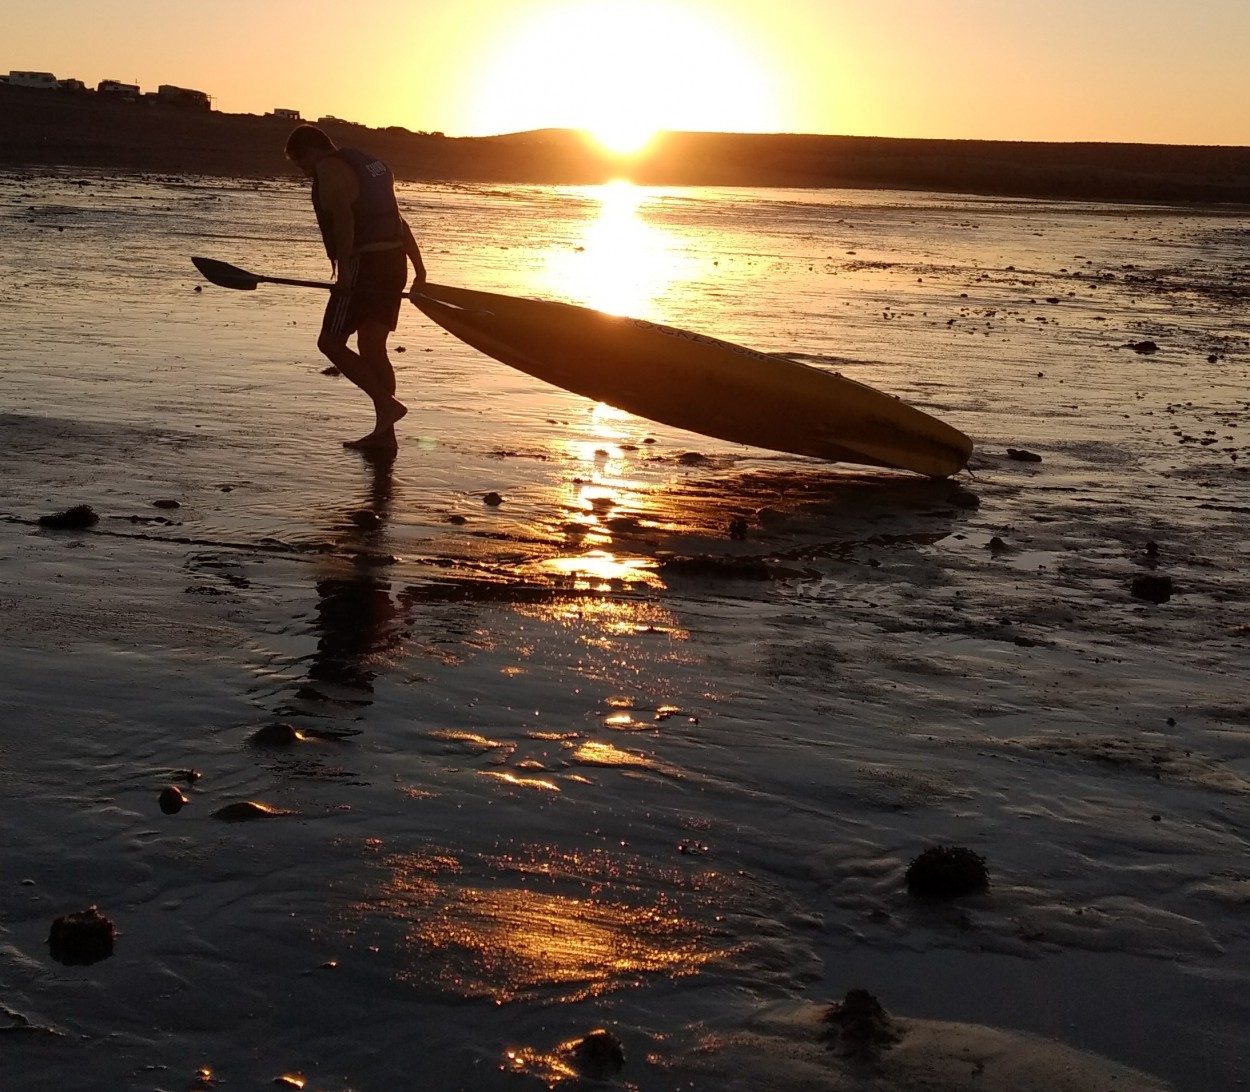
pixel 583 758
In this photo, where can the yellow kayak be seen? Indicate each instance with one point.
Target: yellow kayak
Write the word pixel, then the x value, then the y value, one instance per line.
pixel 698 383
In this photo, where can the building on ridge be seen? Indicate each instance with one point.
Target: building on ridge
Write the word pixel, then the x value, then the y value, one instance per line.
pixel 32 79
pixel 183 96
pixel 116 87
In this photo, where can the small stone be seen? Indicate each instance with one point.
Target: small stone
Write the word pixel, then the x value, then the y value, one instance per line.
pixel 365 518
pixel 277 734
pixel 77 518
pixel 1152 588
pixel 245 810
pixel 947 872
pixel 692 458
pixel 172 800
pixel 166 503
pixel 597 1055
pixel 738 528
pixel 493 499
pixel 1143 348
pixel 80 938
pixel 1022 456
pixel 458 520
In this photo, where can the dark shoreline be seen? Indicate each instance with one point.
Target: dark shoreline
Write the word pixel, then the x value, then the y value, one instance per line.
pixel 51 128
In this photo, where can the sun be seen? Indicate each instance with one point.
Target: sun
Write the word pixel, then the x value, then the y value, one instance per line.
pixel 622 70
pixel 623 136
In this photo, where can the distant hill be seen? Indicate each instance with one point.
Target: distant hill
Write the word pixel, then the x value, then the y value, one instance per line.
pixel 83 129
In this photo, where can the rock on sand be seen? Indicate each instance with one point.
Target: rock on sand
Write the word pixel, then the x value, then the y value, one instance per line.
pixel 787 1047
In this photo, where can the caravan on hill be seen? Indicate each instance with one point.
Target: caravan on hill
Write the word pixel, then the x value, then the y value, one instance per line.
pixel 116 87
pixel 33 79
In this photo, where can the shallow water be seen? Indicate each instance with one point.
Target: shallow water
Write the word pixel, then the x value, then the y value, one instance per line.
pixel 582 784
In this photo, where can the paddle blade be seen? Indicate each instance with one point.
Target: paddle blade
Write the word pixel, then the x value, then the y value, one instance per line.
pixel 226 275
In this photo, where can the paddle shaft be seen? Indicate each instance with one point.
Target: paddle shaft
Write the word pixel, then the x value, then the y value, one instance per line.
pixel 331 286
pixel 296 284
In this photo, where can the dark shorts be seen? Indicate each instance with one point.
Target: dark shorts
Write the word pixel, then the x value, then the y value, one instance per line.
pixel 369 289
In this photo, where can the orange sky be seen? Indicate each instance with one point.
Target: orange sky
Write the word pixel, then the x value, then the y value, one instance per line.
pixel 1120 70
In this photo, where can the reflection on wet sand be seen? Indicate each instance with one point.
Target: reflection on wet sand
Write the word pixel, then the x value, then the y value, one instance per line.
pixel 358 626
pixel 565 926
pixel 544 922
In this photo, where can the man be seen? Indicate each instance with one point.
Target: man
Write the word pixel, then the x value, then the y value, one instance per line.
pixel 369 245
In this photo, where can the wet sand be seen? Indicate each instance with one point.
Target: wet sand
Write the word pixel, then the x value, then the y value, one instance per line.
pixel 547 777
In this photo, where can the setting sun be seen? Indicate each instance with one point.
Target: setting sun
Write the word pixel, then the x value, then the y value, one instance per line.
pixel 623 137
pixel 621 71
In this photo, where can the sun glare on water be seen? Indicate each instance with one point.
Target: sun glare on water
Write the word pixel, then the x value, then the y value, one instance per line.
pixel 621 71
pixel 622 259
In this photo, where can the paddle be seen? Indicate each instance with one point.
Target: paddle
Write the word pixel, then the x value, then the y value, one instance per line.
pixel 231 276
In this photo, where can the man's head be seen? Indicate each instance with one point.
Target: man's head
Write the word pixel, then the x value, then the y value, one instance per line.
pixel 306 146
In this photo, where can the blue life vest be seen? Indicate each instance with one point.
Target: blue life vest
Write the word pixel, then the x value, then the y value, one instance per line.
pixel 375 212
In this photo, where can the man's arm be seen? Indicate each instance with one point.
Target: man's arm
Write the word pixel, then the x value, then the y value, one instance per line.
pixel 338 192
pixel 413 251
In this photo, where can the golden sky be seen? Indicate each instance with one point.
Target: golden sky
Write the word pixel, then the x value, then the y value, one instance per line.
pixel 1116 70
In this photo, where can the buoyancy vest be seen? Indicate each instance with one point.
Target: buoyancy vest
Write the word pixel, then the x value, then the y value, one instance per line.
pixel 375 212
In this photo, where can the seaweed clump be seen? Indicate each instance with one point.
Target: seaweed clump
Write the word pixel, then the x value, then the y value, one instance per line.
pixel 947 872
pixel 77 518
pixel 80 938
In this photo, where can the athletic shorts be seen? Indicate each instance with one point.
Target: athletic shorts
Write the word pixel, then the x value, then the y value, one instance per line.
pixel 369 288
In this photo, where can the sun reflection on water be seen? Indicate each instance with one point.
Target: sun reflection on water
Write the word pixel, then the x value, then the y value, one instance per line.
pixel 502 938
pixel 621 262
pixel 601 571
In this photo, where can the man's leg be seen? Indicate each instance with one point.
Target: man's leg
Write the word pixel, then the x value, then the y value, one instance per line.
pixel 334 347
pixel 374 365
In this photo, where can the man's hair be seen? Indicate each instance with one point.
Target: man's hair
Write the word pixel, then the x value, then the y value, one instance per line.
pixel 307 138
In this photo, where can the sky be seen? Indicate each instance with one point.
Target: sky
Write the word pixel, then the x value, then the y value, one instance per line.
pixel 1157 71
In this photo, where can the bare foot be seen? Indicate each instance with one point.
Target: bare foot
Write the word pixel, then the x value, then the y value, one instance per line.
pixel 384 441
pixel 383 434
